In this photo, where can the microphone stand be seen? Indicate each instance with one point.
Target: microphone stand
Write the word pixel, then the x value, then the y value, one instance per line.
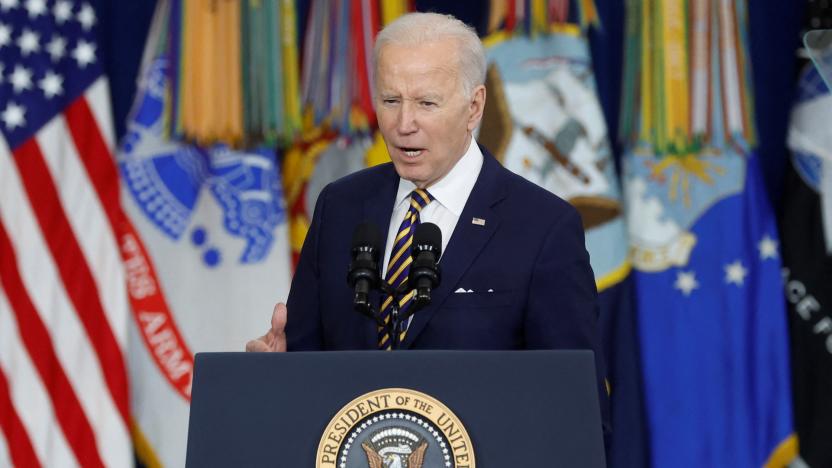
pixel 394 325
pixel 363 276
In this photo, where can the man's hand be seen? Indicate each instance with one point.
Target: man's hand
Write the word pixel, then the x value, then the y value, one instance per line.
pixel 275 339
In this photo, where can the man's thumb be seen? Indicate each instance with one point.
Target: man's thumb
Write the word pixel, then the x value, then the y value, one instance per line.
pixel 279 318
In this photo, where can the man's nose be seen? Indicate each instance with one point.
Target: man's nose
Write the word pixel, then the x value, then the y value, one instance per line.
pixel 407 119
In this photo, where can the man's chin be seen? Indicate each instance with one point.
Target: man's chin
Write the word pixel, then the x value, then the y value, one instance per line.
pixel 411 172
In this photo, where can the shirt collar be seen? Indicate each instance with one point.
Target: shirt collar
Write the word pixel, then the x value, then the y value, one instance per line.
pixel 452 190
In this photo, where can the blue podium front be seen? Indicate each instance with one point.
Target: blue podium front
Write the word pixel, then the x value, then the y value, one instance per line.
pixel 410 409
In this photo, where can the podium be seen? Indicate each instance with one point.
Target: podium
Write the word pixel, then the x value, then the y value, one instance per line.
pixel 427 409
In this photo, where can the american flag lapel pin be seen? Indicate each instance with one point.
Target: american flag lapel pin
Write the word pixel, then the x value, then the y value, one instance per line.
pixel 478 221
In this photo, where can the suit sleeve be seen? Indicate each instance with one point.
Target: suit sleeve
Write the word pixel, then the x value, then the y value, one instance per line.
pixel 303 323
pixel 563 307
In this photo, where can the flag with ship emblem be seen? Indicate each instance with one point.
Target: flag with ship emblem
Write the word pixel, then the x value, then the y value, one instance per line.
pixel 543 120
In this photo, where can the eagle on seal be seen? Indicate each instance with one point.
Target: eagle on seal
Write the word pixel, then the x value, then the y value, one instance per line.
pixel 393 457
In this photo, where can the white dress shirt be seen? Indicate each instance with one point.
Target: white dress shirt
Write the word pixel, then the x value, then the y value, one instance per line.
pixel 449 196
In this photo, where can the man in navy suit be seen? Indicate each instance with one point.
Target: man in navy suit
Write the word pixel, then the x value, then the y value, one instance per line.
pixel 515 272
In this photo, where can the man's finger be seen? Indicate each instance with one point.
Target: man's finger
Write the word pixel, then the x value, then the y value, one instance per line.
pixel 279 318
pixel 278 327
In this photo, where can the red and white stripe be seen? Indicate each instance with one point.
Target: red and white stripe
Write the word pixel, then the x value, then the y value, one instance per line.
pixel 64 308
pixel 5 457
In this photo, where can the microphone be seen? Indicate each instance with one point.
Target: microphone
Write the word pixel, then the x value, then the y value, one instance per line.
pixel 424 272
pixel 364 274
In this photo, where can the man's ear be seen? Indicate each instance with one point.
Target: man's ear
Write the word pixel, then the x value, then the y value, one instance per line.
pixel 476 107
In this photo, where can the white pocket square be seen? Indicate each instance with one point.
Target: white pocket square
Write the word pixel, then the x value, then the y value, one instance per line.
pixel 463 290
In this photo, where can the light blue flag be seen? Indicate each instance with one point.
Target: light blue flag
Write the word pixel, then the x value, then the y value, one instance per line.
pixel 544 122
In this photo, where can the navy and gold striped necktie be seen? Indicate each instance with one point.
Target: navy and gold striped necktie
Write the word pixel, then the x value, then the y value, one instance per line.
pixel 399 265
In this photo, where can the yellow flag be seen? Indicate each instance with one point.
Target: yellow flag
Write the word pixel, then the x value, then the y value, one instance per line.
pixel 674 35
pixel 392 9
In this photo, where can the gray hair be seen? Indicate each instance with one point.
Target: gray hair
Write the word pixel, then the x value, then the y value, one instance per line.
pixel 422 28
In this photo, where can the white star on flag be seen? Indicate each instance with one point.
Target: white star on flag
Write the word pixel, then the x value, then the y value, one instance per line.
pixel 84 53
pixel 36 7
pixel 735 273
pixel 51 84
pixel 28 42
pixel 686 282
pixel 13 116
pixel 86 16
pixel 56 48
pixel 7 5
pixel 2 68
pixel 62 11
pixel 5 35
pixel 21 79
pixel 767 247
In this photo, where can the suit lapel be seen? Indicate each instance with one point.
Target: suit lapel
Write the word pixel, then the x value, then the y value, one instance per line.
pixel 467 241
pixel 378 208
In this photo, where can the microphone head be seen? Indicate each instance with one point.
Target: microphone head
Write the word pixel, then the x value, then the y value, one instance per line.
pixel 363 273
pixel 367 235
pixel 428 235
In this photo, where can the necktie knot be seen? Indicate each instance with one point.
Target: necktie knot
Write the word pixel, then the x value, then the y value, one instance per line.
pixel 420 198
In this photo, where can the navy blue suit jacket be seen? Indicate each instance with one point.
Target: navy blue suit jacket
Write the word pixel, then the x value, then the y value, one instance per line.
pixel 530 252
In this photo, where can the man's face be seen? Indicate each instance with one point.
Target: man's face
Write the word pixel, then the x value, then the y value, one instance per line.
pixel 424 115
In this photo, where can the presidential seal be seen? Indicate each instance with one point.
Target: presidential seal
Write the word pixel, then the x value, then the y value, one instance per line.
pixel 395 428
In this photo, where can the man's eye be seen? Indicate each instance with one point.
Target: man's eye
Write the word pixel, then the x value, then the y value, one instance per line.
pixel 391 101
pixel 428 104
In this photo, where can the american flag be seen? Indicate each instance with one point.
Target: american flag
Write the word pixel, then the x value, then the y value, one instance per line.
pixel 64 309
